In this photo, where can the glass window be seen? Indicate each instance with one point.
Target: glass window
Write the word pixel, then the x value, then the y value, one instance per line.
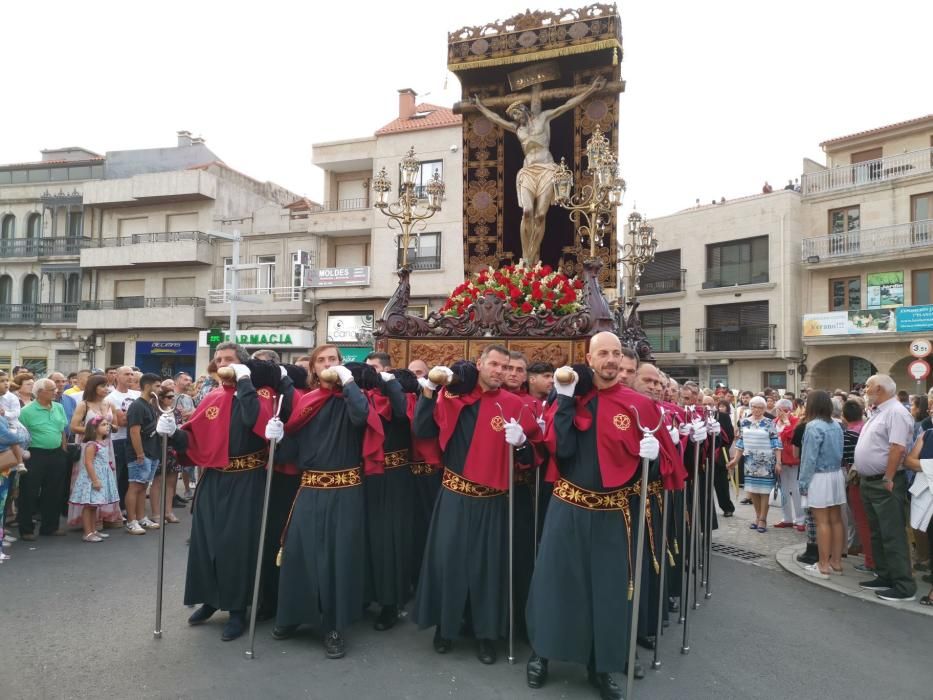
pixel 97 171
pixel 38 175
pixel 59 174
pixel 266 272
pixel 844 220
pixel 6 290
pixel 19 176
pixel 39 366
pixel 775 380
pixel 73 290
pixel 30 289
pixel 426 172
pixel 424 252
pixel 737 262
pixel 79 172
pixel 662 329
pixel 921 283
pixel 8 228
pixel 845 293
pixel 34 226
pixel 5 177
pixel 75 224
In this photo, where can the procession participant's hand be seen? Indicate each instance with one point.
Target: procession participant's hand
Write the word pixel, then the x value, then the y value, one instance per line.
pixel 649 447
pixel 166 426
pixel 568 388
pixel 426 383
pixel 283 372
pixel 714 428
pixel 275 430
pixel 675 435
pixel 387 376
pixel 514 434
pixel 240 371
pixel 343 374
pixel 697 431
pixel 438 368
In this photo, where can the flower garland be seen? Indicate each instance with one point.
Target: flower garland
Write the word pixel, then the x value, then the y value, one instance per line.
pixel 528 290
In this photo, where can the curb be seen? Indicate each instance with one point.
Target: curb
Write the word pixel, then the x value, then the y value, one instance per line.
pixel 847 584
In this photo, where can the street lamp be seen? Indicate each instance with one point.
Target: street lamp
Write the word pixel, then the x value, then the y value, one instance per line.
pixel 404 213
pixel 591 206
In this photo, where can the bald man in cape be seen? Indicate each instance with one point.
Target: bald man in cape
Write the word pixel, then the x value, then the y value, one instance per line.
pixel 579 606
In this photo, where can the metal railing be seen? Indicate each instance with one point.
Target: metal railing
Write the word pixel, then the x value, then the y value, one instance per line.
pixel 140 303
pixel 729 338
pixel 868 172
pixel 39 313
pixel 255 294
pixel 868 241
pixel 423 262
pixel 663 285
pixel 41 247
pixel 342 205
pixel 155 237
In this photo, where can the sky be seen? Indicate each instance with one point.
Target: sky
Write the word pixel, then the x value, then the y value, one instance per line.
pixel 720 95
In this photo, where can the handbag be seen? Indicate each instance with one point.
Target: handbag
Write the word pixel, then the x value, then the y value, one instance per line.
pixel 74 452
pixel 777 497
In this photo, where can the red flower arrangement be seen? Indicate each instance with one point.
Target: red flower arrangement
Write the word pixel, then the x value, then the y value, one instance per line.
pixel 528 290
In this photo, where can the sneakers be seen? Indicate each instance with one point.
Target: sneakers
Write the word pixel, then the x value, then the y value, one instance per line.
pixel 134 528
pixel 102 535
pixel 876 584
pixel 149 524
pixel 814 570
pixel 5 557
pixel 895 596
pixel 21 468
pixel 92 537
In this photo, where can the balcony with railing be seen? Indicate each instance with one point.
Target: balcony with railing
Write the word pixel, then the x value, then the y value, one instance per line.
pixel 899 238
pixel 258 302
pixel 142 312
pixel 148 249
pixel 342 217
pixel 41 247
pixel 735 338
pixel 869 172
pixel 663 285
pixel 30 314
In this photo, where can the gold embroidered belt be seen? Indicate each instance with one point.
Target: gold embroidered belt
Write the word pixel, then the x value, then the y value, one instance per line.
pixel 457 484
pixel 331 480
pixel 593 500
pixel 398 458
pixel 422 469
pixel 246 463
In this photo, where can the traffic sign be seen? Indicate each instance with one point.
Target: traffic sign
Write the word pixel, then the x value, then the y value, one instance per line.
pixel 921 348
pixel 919 369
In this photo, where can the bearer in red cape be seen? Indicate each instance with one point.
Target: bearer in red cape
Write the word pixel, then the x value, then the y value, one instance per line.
pixel 226 438
pixel 578 607
pixel 336 440
pixel 465 567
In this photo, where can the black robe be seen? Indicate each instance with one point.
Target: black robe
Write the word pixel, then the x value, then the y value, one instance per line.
pixel 321 582
pixel 578 608
pixel 390 503
pixel 227 511
pixel 466 554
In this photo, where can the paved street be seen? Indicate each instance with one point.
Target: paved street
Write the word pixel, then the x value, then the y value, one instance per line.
pixel 77 622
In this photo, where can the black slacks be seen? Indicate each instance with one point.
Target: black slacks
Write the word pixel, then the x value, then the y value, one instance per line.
pixel 42 486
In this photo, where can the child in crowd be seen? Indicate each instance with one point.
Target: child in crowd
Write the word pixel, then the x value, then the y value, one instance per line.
pixel 96 484
pixel 9 439
pixel 9 403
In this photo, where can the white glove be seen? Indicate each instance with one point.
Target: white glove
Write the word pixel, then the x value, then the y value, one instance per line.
pixel 541 425
pixel 446 370
pixel 684 430
pixel 282 370
pixel 649 447
pixel 241 371
pixel 343 374
pixel 387 376
pixel 566 389
pixel 275 430
pixel 514 435
pixel 698 431
pixel 426 383
pixel 713 428
pixel 675 435
pixel 166 425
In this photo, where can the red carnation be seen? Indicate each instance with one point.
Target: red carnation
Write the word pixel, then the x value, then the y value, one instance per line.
pixel 578 284
pixel 536 293
pixel 548 305
pixel 546 270
pixel 527 307
pixel 515 292
pixel 514 304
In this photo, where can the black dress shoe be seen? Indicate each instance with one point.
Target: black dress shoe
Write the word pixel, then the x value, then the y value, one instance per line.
pixel 486 651
pixel 441 645
pixel 284 632
pixel 387 618
pixel 811 555
pixel 729 514
pixel 201 615
pixel 265 614
pixel 646 642
pixel 334 646
pixel 746 501
pixel 608 689
pixel 179 502
pixel 536 671
pixel 235 626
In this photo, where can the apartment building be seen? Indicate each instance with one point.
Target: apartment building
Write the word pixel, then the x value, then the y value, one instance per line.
pixel 358 251
pixel 719 303
pixel 867 254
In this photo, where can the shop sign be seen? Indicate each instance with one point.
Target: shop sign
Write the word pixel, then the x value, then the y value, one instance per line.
pixel 166 347
pixel 850 322
pixel 350 328
pixel 354 354
pixel 264 337
pixel 337 277
pixel 913 319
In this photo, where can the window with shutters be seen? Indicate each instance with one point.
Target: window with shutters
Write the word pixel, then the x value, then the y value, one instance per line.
pixel 662 328
pixel 736 327
pixel 845 293
pixel 663 274
pixel 737 262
